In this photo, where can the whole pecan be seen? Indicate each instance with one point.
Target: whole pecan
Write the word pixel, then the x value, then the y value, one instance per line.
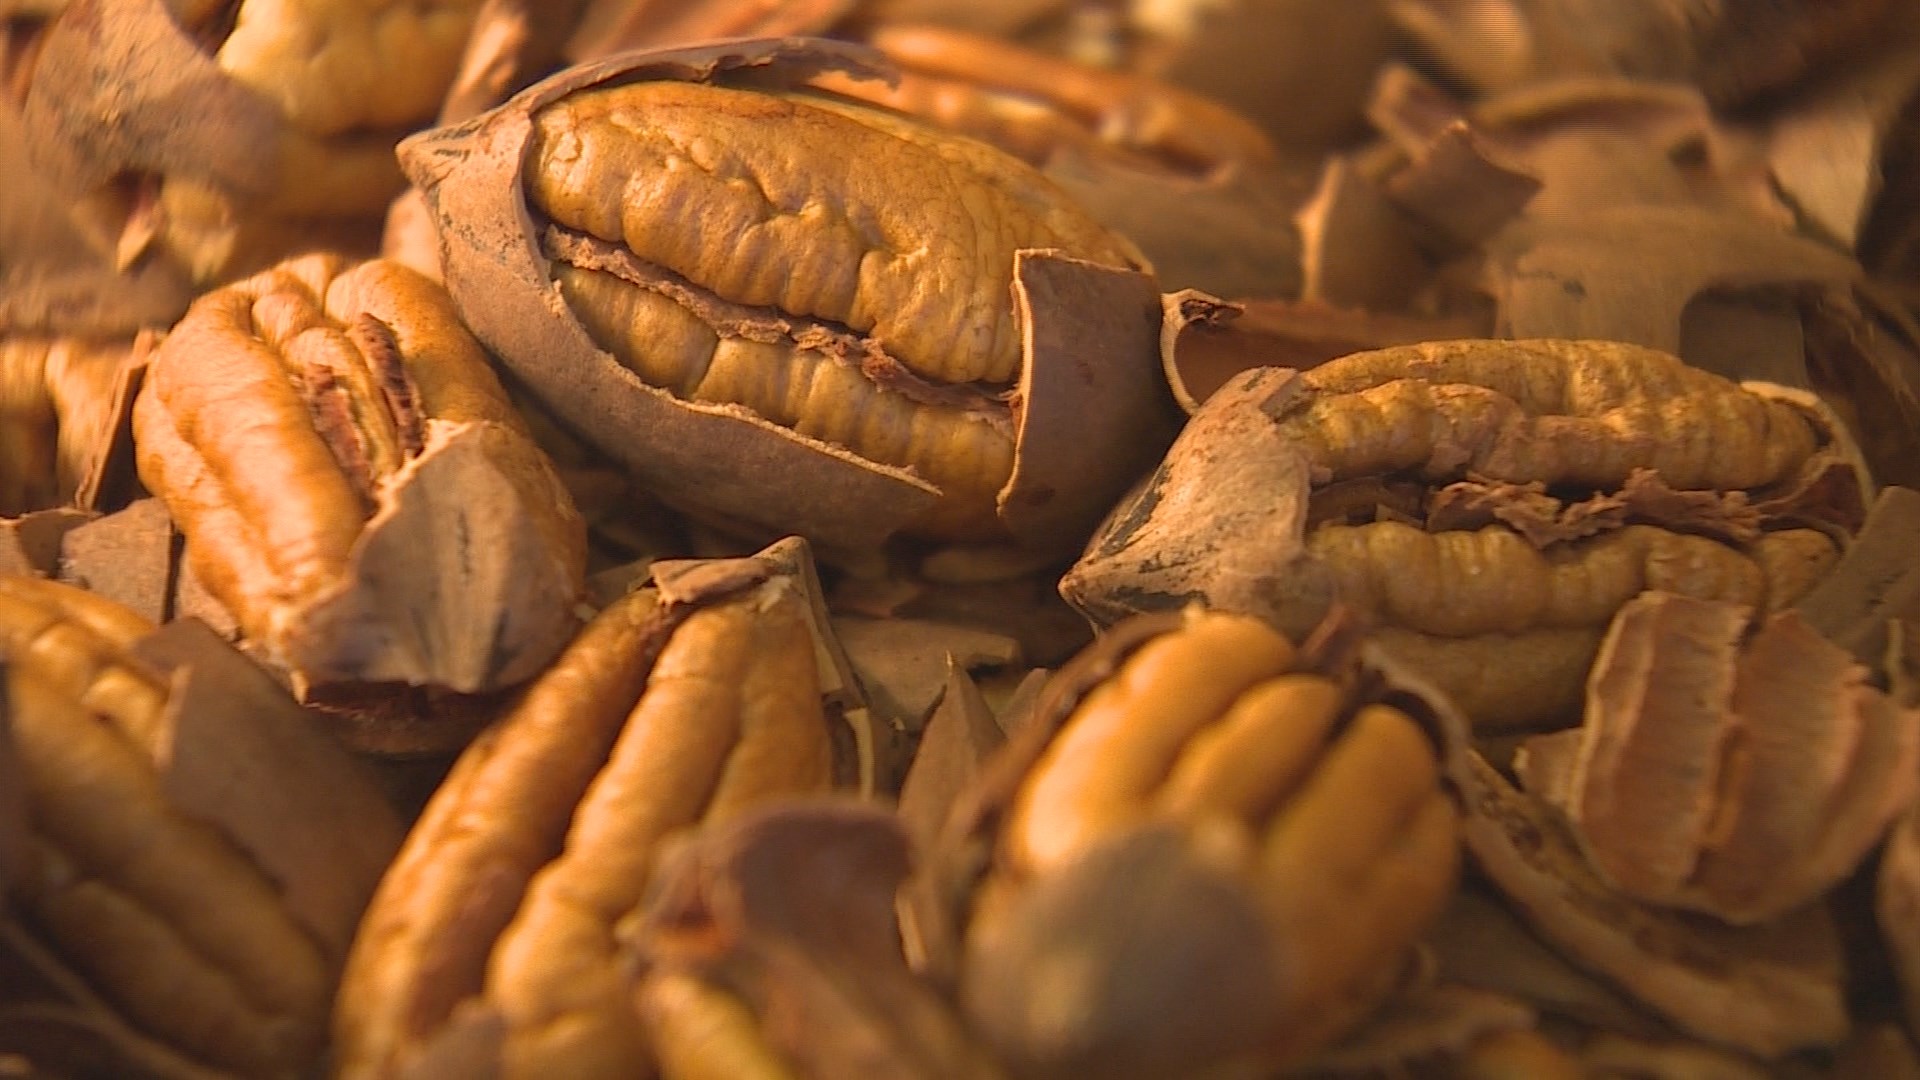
pixel 1488 504
pixel 1206 848
pixel 353 483
pixel 493 933
pixel 792 312
pixel 196 850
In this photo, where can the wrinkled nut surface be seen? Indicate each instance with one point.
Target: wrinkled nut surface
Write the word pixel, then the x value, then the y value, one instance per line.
pixel 680 704
pixel 792 311
pixel 1211 795
pixel 1723 768
pixel 1489 504
pixel 353 483
pixel 195 848
pixel 56 415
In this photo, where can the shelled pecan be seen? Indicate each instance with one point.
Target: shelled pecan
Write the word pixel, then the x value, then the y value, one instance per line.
pixel 354 485
pixel 681 703
pixel 1488 504
pixel 791 312
pixel 1206 849
pixel 1741 771
pixel 197 852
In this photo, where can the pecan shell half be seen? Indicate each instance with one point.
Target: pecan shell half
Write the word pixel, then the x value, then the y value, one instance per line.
pixel 789 311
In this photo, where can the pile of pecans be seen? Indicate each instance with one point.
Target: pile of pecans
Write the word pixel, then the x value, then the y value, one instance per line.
pixel 1016 540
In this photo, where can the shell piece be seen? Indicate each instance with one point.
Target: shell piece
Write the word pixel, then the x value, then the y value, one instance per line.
pixel 1488 505
pixel 354 484
pixel 681 703
pixel 1767 990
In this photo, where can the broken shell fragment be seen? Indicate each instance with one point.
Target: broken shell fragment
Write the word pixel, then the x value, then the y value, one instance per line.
pixel 771 950
pixel 682 703
pixel 1168 885
pixel 197 850
pixel 1479 499
pixel 812 316
pixel 354 485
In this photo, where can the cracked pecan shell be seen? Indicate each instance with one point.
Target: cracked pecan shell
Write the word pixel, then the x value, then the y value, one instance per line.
pixel 790 311
pixel 353 483
pixel 1196 794
pixel 197 852
pixel 683 702
pixel 1488 505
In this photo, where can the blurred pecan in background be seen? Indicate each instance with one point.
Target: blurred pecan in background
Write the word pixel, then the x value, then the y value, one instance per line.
pixel 289 137
pixel 1207 848
pixel 197 851
pixel 788 311
pixel 56 417
pixel 355 486
pixel 1488 504
pixel 493 933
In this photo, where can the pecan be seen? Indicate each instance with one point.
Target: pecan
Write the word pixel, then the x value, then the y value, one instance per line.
pixel 196 848
pixel 353 483
pixel 789 311
pixel 1738 775
pixel 1171 809
pixel 57 415
pixel 296 108
pixel 681 703
pixel 1488 505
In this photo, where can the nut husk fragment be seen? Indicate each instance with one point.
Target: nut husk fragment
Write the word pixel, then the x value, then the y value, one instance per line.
pixel 1152 848
pixel 1477 500
pixel 770 950
pixel 1767 990
pixel 197 849
pixel 1737 774
pixel 493 932
pixel 354 485
pixel 734 386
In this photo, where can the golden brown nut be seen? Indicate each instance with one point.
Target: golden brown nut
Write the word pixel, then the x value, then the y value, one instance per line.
pixel 1213 801
pixel 680 703
pixel 353 483
pixel 1488 504
pixel 196 849
pixel 56 417
pixel 296 109
pixel 797 313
